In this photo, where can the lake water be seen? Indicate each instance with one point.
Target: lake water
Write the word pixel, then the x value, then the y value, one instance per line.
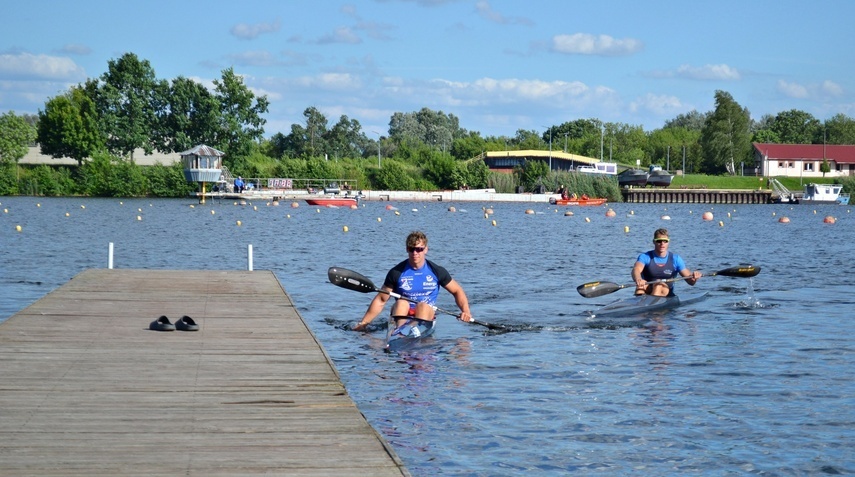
pixel 757 379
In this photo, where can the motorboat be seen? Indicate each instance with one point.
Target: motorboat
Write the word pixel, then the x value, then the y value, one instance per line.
pixel 633 177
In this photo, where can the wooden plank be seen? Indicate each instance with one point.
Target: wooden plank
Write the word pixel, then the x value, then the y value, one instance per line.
pixel 87 389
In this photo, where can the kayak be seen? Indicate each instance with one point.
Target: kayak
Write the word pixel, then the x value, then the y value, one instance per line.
pixel 638 304
pixel 408 335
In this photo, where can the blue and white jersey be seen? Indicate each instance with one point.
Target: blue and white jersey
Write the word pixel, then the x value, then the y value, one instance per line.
pixel 418 285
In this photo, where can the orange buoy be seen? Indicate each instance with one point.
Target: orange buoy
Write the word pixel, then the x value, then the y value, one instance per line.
pixel 829 220
pixel 707 216
pixel 610 213
pixel 784 220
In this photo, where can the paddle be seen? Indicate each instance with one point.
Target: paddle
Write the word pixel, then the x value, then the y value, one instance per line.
pixel 351 280
pixel 595 289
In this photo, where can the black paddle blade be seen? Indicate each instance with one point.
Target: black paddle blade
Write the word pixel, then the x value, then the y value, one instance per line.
pixel 742 271
pixel 595 289
pixel 351 280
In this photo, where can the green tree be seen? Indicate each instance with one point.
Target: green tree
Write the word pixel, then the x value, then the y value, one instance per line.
pixel 532 174
pixel 16 135
pixel 692 121
pixel 725 138
pixel 440 169
pixel 393 176
pixel 797 127
pixel 241 124
pixel 345 139
pixel 68 127
pixel 129 97
pixel 191 117
pixel 840 129
pixel 468 146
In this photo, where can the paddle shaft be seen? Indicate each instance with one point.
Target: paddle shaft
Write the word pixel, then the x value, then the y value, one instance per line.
pixel 595 289
pixel 355 281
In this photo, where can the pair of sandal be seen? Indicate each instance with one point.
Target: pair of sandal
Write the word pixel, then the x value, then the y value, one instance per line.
pixel 184 324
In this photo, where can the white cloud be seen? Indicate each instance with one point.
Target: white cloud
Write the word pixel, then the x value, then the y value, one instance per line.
pixel 709 72
pixel 831 88
pixel 486 12
pixel 40 67
pixel 602 45
pixel 75 49
pixel 659 104
pixel 340 35
pixel 792 90
pixel 246 31
pixel 253 58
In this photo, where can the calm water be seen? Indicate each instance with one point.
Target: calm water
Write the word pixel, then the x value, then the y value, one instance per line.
pixel 755 380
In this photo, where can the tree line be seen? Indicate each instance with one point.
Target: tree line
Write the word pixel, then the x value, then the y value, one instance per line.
pixel 104 120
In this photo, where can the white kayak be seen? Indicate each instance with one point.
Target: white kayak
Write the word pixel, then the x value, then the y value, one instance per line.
pixel 408 335
pixel 639 304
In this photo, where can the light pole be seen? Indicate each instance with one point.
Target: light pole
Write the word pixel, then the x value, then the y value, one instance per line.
pixel 565 143
pixel 550 148
pixel 378 148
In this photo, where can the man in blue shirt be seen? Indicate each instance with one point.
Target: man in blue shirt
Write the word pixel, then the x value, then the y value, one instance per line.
pixel 418 280
pixel 660 264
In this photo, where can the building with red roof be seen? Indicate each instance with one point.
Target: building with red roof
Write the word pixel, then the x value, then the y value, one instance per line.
pixel 803 160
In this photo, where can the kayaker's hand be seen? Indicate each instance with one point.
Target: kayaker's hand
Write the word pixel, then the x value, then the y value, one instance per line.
pixel 360 326
pixel 640 284
pixel 464 316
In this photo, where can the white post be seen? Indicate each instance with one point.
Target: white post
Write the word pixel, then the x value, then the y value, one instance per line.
pixel 249 257
pixel 110 257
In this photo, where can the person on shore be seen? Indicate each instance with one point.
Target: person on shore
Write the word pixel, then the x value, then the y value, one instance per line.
pixel 418 280
pixel 239 185
pixel 660 264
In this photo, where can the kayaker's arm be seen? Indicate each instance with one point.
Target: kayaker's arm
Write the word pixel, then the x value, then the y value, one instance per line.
pixel 640 283
pixel 374 309
pixel 460 298
pixel 691 277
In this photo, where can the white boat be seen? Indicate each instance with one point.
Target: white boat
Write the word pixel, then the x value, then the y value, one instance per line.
pixel 607 168
pixel 824 194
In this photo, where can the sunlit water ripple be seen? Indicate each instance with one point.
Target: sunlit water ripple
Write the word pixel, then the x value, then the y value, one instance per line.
pixel 755 380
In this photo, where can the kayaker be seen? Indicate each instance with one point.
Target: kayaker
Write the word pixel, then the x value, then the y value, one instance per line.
pixel 660 264
pixel 418 279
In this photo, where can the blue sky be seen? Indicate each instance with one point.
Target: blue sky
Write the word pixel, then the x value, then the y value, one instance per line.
pixel 498 65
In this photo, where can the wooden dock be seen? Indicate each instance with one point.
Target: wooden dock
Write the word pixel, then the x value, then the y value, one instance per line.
pixel 88 389
pixel 642 195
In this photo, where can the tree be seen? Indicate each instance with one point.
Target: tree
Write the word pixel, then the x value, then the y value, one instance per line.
pixel 128 99
pixel 68 127
pixel 725 137
pixel 16 135
pixel 190 118
pixel 240 122
pixel 345 139
pixel 692 121
pixel 797 127
pixel 840 130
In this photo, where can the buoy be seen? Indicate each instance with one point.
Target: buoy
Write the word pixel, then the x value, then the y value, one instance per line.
pixel 139 217
pixel 18 228
pixel 626 229
pixel 238 223
pixel 415 210
pixel 389 207
pixel 587 219
pixel 192 206
pixel 397 213
pixel 212 212
pixel 39 205
pixel 814 212
pixel 529 211
pixel 379 219
pixel 345 228
pixel 83 207
pixel 610 213
pixel 568 214
pixel 829 219
pixel 452 209
pixel 287 216
pixel 707 216
pixel 773 214
pixel 486 216
pixel 67 214
pixel 255 207
pixel 139 210
pixel 353 206
pixel 489 211
pixel 665 217
pixel 720 223
pixel 494 223
pixel 294 205
pixel 784 220
pixel 318 210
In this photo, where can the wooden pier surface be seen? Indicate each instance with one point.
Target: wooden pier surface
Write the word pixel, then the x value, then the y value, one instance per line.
pixel 87 389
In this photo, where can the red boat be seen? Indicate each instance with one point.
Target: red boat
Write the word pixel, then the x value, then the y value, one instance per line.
pixel 333 201
pixel 554 201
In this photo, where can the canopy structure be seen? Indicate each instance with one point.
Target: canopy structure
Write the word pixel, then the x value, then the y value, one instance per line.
pixel 202 164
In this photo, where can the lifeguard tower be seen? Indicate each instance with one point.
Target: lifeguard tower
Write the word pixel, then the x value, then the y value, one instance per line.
pixel 202 164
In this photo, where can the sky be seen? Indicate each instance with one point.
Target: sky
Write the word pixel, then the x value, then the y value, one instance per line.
pixel 499 66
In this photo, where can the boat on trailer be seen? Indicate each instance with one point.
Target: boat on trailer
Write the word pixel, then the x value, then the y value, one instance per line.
pixel 641 304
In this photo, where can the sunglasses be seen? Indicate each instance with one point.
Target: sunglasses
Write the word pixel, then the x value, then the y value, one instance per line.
pixel 661 240
pixel 416 249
